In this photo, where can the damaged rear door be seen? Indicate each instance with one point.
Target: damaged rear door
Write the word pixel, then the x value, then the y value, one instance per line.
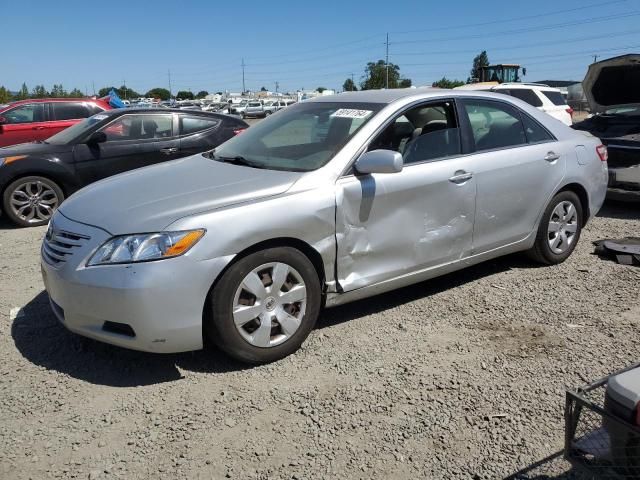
pixel 389 225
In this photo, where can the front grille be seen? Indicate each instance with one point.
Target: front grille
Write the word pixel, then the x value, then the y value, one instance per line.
pixel 59 245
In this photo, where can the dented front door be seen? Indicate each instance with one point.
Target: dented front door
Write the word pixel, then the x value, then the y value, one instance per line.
pixel 389 225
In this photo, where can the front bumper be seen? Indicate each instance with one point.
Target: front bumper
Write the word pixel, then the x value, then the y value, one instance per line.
pixel 162 301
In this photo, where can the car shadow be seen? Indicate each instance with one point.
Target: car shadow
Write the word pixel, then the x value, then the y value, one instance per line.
pixel 620 210
pixel 553 467
pixel 41 339
pixel 6 224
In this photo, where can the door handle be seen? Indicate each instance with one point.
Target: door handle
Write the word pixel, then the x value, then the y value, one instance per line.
pixel 551 157
pixel 169 151
pixel 461 177
pixel 37 128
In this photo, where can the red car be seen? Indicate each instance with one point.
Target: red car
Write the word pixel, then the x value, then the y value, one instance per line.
pixel 39 118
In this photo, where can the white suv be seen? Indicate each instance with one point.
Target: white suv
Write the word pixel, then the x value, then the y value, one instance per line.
pixel 549 100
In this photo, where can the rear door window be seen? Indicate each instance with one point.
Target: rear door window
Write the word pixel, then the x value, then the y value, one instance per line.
pixel 535 132
pixel 555 97
pixel 494 124
pixel 526 95
pixel 189 125
pixel 139 127
pixel 29 113
pixel 70 110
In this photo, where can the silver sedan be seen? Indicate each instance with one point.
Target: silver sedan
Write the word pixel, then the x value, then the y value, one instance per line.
pixel 332 200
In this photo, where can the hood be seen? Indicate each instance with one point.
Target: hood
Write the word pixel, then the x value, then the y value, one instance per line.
pixel 613 83
pixel 33 148
pixel 151 198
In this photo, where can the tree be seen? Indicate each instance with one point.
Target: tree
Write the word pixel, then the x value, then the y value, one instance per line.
pixel 184 95
pixel 444 82
pixel 161 93
pixel 39 92
pixel 5 96
pixel 349 85
pixel 376 76
pixel 103 92
pixel 202 94
pixel 58 91
pixel 76 93
pixel 480 60
pixel 263 89
pixel 320 89
pixel 23 93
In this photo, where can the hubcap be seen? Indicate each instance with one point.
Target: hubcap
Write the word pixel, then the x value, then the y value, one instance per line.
pixel 269 304
pixel 33 201
pixel 563 226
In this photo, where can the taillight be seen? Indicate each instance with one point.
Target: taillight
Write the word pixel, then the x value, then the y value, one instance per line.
pixel 239 131
pixel 602 152
pixel 570 111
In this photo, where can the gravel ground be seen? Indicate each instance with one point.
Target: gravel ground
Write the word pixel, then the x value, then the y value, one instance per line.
pixel 458 377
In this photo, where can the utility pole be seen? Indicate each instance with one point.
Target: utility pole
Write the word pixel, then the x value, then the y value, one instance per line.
pixel 124 84
pixel 93 85
pixel 352 82
pixel 277 86
pixel 387 63
pixel 243 89
pixel 169 73
pixel 595 58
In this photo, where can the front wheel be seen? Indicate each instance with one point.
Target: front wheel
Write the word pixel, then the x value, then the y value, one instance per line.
pixel 265 305
pixel 31 201
pixel 559 229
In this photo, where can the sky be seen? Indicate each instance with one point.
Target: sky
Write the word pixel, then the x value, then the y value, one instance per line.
pixel 300 45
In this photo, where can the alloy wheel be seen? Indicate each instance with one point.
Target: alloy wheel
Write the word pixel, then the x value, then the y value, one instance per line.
pixel 33 201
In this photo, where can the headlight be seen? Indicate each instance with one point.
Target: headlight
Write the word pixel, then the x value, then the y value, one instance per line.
pixel 145 247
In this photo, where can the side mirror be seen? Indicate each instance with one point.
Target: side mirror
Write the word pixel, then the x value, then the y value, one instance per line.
pixel 379 161
pixel 97 137
pixel 3 120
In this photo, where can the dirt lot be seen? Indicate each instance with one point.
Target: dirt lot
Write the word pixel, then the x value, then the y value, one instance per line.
pixel 459 377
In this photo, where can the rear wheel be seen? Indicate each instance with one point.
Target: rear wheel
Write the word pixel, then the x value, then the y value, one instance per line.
pixel 265 305
pixel 31 201
pixel 559 229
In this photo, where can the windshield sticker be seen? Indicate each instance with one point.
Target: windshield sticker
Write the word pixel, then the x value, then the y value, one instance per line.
pixel 100 117
pixel 351 113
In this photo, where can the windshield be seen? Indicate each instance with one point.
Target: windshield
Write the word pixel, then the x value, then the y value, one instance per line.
pixel 71 133
pixel 301 138
pixel 628 111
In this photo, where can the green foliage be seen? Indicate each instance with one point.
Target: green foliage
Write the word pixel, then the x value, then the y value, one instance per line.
pixel 202 94
pixel 263 89
pixel 76 93
pixel 184 95
pixel 5 96
pixel 480 60
pixel 161 93
pixel 349 85
pixel 23 93
pixel 103 92
pixel 39 92
pixel 58 91
pixel 444 82
pixel 320 89
pixel 376 76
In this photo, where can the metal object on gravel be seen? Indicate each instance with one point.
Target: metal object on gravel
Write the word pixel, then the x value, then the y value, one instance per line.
pixel 625 251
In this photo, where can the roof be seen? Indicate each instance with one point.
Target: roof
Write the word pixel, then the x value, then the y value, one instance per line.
pixel 56 99
pixel 558 83
pixel 376 96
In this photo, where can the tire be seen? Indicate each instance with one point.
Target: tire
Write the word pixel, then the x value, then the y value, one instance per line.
pixel 31 201
pixel 267 113
pixel 286 325
pixel 553 247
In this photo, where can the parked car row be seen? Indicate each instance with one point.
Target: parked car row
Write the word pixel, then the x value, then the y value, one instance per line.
pixel 36 177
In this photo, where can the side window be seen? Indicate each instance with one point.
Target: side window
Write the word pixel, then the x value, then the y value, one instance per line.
pixel 535 132
pixel 189 125
pixel 93 109
pixel 70 110
pixel 494 124
pixel 424 133
pixel 556 97
pixel 526 95
pixel 26 114
pixel 139 127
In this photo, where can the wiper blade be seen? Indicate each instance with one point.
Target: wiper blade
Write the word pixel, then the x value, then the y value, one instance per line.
pixel 239 160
